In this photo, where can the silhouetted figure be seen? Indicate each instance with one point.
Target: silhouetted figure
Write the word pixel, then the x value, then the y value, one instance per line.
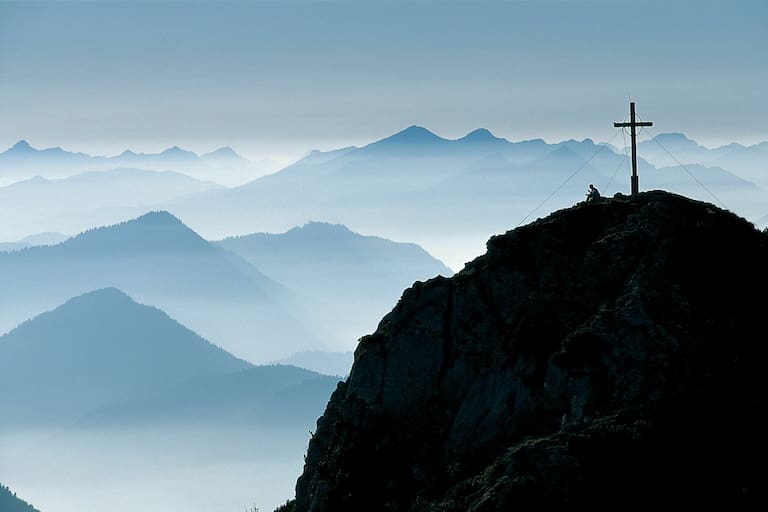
pixel 593 194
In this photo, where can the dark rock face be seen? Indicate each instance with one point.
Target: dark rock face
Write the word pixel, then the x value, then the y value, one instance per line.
pixel 611 354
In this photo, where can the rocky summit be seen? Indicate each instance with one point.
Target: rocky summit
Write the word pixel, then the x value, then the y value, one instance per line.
pixel 609 355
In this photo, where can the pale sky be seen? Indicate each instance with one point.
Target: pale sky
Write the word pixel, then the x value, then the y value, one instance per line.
pixel 280 78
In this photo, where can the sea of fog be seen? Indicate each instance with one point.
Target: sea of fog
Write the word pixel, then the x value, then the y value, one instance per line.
pixel 158 469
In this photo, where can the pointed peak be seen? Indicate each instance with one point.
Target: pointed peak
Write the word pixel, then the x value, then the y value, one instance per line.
pixel 177 151
pixel 97 300
pixel 224 152
pixel 481 135
pixel 415 131
pixel 155 229
pixel 480 132
pixel 413 135
pixel 128 152
pixel 157 218
pixel 109 292
pixel 21 147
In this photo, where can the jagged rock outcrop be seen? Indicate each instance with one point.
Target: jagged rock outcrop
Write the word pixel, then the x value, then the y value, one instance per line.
pixel 611 354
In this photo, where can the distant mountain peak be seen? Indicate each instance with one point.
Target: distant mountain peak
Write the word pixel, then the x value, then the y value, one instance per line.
pixel 413 135
pixel 177 151
pixel 114 346
pixel 100 296
pixel 416 129
pixel 676 138
pixel 156 229
pixel 416 132
pixel 158 217
pixel 481 135
pixel 21 147
pixel 224 152
pixel 316 228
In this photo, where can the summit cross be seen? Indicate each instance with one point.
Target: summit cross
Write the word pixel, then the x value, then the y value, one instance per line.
pixel 633 124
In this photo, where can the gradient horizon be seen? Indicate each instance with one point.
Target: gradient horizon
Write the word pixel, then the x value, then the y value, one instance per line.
pixel 279 79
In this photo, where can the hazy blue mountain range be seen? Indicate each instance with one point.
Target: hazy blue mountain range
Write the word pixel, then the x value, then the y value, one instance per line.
pixel 95 349
pixel 102 359
pixel 9 502
pixel 160 261
pixel 349 280
pixel 103 390
pixel 70 204
pixel 46 238
pixel 724 188
pixel 449 196
pixel 748 162
pixel 224 165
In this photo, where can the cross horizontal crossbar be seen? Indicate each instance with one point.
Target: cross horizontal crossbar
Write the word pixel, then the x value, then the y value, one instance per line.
pixel 628 125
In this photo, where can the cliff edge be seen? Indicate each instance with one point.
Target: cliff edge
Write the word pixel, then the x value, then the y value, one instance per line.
pixel 610 354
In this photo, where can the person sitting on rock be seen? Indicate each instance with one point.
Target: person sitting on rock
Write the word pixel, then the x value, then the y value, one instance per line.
pixel 593 194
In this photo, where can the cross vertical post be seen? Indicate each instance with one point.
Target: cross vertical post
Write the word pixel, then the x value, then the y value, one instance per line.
pixel 633 124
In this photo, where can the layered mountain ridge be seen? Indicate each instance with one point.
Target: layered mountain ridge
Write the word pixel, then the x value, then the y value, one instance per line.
pixel 451 195
pixel 97 347
pixel 158 260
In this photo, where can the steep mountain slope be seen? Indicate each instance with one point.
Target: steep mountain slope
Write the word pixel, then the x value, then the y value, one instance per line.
pixel 608 355
pixel 158 260
pixel 350 280
pixel 95 349
pixel 9 502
